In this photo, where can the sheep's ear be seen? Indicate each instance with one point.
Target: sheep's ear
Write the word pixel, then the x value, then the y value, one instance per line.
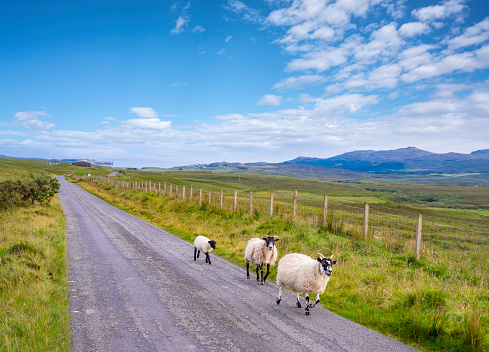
pixel 265 237
pixel 334 262
pixel 320 260
pixel 276 238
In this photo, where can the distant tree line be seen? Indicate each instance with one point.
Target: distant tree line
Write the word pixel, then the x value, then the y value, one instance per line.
pixel 18 194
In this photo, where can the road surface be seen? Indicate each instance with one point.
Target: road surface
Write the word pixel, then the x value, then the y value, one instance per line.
pixel 136 287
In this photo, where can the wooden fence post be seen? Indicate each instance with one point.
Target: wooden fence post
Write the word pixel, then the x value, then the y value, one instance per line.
pixel 235 200
pixel 294 209
pixel 271 203
pixel 183 192
pixel 200 197
pixel 251 202
pixel 365 221
pixel 191 192
pixel 419 228
pixel 171 189
pixel 222 198
pixel 325 211
pixel 210 197
pixel 164 189
pixel 176 191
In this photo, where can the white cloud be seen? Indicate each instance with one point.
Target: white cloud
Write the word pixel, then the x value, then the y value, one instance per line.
pixel 474 35
pixel 331 126
pixel 247 12
pixel 413 29
pixel 183 20
pixel 198 29
pixel 147 123
pixel 344 104
pixel 415 56
pixel 465 62
pixel 439 12
pixel 144 112
pixel 320 60
pixel 180 25
pixel 384 43
pixel 300 82
pixel 221 52
pixel 270 99
pixel 30 119
pixel 228 38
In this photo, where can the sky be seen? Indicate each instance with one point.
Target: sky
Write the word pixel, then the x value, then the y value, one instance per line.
pixel 166 83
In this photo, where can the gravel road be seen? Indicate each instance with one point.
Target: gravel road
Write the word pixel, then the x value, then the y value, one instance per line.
pixel 135 287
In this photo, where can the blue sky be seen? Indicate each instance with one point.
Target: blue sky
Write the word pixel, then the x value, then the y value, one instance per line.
pixel 165 83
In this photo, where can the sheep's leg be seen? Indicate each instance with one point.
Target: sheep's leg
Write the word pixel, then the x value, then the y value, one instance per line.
pixel 195 253
pixel 198 253
pixel 307 303
pixel 261 271
pixel 268 272
pixel 298 303
pixel 247 269
pixel 257 273
pixel 279 298
pixel 311 305
pixel 207 258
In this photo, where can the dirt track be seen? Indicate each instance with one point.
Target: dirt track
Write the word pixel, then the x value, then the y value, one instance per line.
pixel 135 287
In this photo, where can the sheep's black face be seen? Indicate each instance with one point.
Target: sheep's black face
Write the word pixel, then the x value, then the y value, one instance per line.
pixel 326 266
pixel 270 241
pixel 213 244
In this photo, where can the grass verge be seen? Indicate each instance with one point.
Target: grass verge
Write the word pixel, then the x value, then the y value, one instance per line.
pixel 34 280
pixel 433 307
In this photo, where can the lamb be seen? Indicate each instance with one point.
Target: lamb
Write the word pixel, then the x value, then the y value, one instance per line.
pixel 205 245
pixel 302 274
pixel 260 252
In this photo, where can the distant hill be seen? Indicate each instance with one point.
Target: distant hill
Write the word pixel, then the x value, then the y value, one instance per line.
pixel 404 164
pixel 404 159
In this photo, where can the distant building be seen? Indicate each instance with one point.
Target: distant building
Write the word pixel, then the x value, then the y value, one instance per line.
pixel 81 163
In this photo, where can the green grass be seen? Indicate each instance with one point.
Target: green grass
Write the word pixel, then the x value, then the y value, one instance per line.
pixel 28 169
pixel 440 200
pixel 431 306
pixel 33 269
pixel 33 280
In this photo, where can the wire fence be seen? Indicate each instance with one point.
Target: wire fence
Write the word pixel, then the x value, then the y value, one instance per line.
pixel 434 239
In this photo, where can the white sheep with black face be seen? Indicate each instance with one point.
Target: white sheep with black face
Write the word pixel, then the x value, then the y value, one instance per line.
pixel 260 252
pixel 302 274
pixel 205 245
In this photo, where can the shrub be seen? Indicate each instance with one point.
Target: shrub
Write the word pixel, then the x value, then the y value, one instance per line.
pixel 16 194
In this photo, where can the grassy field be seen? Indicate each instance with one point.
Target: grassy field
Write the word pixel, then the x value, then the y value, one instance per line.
pixel 33 269
pixel 434 307
pixel 465 203
pixel 27 169
pixel 33 280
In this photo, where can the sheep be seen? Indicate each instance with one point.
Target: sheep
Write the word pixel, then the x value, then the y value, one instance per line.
pixel 205 245
pixel 302 274
pixel 260 252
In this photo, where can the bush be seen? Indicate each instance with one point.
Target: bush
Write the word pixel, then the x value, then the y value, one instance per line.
pixel 17 194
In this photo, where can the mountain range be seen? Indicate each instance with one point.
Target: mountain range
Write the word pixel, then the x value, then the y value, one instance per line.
pixel 405 164
pixel 410 159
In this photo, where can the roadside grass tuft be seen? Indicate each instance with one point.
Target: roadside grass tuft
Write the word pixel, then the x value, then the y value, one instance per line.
pixel 33 280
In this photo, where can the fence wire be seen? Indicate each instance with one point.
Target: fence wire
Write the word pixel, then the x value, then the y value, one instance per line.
pixel 442 239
